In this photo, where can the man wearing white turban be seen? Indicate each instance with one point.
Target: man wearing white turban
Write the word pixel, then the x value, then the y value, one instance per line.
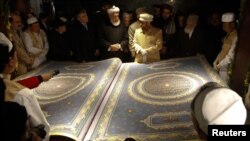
pixel 35 40
pixel 226 56
pixel 132 28
pixel 147 40
pixel 113 36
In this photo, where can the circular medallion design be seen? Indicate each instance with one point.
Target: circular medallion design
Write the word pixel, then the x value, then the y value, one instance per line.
pixel 61 87
pixel 164 65
pixel 165 88
pixel 79 67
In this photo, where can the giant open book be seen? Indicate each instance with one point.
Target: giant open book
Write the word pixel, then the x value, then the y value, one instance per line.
pixel 110 100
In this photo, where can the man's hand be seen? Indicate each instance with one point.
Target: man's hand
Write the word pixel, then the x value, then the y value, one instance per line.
pixel 47 76
pixel 137 48
pixel 115 47
pixel 143 51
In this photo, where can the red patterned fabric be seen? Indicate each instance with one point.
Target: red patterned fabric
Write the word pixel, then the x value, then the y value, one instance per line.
pixel 31 82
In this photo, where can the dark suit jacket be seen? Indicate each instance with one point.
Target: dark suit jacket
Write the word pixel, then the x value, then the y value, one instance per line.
pixel 82 42
pixel 59 49
pixel 190 46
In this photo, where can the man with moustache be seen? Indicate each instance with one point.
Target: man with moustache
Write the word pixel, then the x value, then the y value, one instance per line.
pixel 147 40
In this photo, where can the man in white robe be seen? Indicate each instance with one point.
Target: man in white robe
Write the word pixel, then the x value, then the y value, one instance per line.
pixel 226 56
pixel 36 42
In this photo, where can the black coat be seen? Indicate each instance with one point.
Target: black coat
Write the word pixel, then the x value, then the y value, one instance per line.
pixel 190 46
pixel 109 34
pixel 59 49
pixel 82 42
pixel 214 36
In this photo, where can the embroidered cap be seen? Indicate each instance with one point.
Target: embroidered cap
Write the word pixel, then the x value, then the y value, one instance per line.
pixel 145 17
pixel 32 20
pixel 228 17
pixel 113 9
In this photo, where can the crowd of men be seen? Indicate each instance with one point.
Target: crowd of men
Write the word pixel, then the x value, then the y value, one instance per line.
pixel 151 37
pixel 113 32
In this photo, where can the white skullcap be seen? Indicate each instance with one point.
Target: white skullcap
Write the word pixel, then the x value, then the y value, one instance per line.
pixel 228 17
pixel 113 9
pixel 145 17
pixel 5 41
pixel 219 106
pixel 32 20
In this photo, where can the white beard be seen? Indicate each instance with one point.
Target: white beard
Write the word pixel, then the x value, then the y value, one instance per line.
pixel 115 23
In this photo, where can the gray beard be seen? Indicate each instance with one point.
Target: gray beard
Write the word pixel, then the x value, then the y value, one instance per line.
pixel 115 23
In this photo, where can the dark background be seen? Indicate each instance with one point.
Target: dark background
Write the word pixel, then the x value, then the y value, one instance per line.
pixel 198 6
